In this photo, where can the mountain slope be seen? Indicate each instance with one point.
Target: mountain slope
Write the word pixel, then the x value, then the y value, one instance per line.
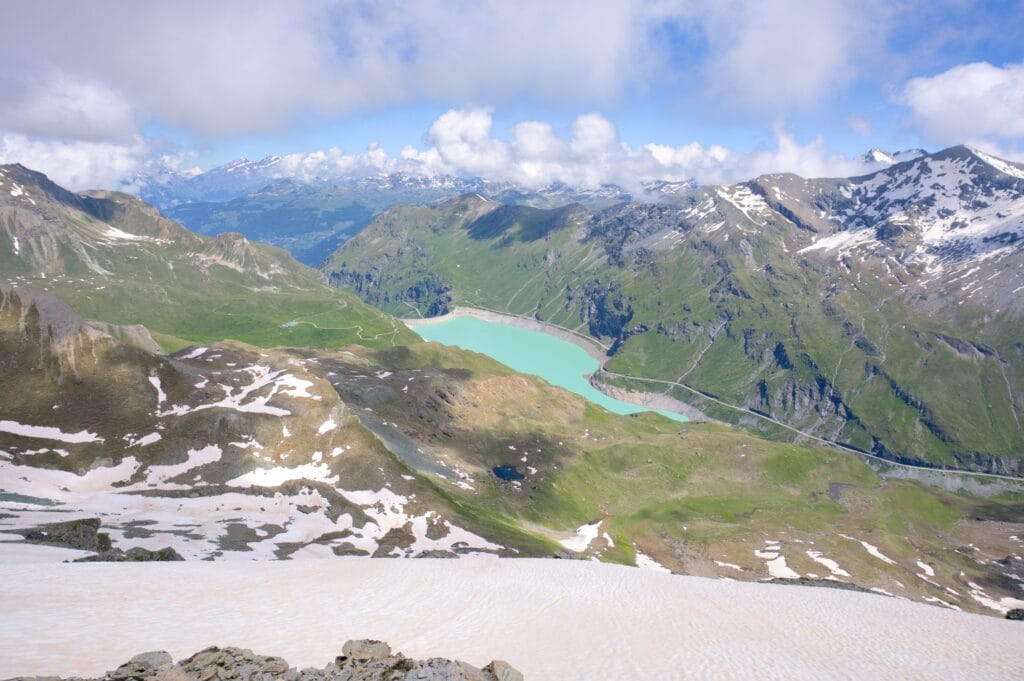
pixel 311 220
pixel 226 452
pixel 154 272
pixel 846 308
pixel 217 451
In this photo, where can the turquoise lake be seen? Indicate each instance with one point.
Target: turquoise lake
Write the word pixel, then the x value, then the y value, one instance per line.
pixel 557 361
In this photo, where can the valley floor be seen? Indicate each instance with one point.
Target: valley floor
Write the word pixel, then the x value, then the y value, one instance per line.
pixel 551 619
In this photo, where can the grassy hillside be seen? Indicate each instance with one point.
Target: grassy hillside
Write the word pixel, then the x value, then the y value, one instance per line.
pixel 114 259
pixel 719 300
pixel 699 498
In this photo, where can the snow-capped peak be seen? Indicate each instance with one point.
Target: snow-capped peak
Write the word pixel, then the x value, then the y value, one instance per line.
pixel 1005 167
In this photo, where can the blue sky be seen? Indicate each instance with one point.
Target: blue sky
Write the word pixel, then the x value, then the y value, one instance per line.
pixel 578 91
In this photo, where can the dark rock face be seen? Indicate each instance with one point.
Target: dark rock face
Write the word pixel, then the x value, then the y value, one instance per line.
pixel 1016 614
pixel 361 660
pixel 133 555
pixel 74 534
pixel 84 534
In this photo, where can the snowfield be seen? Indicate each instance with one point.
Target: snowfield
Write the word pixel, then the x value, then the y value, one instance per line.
pixel 550 619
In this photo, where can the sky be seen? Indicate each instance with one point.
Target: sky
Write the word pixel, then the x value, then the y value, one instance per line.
pixel 580 91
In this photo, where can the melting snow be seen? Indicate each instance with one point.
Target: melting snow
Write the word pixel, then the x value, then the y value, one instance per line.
pixel 646 562
pixel 145 440
pixel 832 566
pixel 48 433
pixel 195 353
pixel 584 535
pixel 873 550
pixel 158 475
pixel 274 477
pixel 777 568
pixel 161 396
pixel 1003 605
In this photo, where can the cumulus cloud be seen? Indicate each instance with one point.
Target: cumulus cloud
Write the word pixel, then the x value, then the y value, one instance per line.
pixel 976 101
pixel 242 66
pixel 76 109
pixel 239 66
pixel 463 143
pixel 790 53
pixel 77 165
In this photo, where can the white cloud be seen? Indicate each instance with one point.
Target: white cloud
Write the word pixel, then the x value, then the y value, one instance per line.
pixel 976 101
pixel 789 53
pixel 237 66
pixel 789 156
pixel 334 162
pixel 860 125
pixel 77 165
pixel 463 140
pixel 60 105
pixel 463 143
pixel 242 66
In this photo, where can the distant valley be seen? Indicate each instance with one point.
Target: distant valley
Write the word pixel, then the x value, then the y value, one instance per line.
pixel 311 215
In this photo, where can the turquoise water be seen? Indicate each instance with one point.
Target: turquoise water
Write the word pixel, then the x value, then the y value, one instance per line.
pixel 557 361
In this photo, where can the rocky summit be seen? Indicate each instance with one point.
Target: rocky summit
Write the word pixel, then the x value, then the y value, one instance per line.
pixel 362 660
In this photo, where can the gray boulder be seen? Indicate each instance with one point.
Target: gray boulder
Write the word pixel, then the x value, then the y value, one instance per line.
pixel 365 649
pixel 361 660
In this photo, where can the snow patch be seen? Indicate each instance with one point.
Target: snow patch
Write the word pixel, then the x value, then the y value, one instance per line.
pixel 584 535
pixel 274 477
pixel 873 550
pixel 48 433
pixel 198 352
pixel 832 566
pixel 646 562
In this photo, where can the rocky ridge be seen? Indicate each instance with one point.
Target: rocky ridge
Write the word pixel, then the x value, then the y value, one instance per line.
pixel 361 660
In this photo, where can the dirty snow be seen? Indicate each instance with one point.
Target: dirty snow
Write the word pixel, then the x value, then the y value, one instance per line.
pixel 626 624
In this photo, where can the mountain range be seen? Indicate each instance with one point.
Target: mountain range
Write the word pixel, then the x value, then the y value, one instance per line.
pixel 309 206
pixel 215 396
pixel 844 308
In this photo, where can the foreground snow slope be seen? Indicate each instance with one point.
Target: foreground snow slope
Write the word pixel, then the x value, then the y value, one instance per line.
pixel 551 619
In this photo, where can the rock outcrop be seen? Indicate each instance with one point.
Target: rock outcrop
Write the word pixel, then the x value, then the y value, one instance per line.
pixel 361 660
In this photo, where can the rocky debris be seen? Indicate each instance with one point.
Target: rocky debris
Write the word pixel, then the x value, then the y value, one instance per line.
pixel 360 660
pixel 74 534
pixel 135 554
pixel 84 534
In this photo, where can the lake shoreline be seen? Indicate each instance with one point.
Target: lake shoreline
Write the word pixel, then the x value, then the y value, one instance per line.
pixel 591 346
pixel 595 349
